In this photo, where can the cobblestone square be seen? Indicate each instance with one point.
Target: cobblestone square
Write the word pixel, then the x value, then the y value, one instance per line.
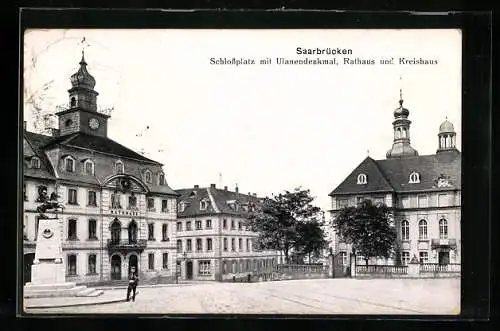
pixel 320 296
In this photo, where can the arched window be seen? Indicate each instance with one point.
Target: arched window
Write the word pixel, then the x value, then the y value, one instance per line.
pixel 362 179
pixel 69 164
pixel 119 169
pixel 422 229
pixel 405 133
pixel 405 230
pixel 116 231
pixel 161 179
pixel 147 176
pixel 179 245
pixel 203 205
pixel 88 167
pixel 132 232
pixel 398 133
pixel 73 102
pixel 443 229
pixel 414 178
pixel 35 162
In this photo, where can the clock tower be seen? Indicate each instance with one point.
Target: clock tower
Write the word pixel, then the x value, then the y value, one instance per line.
pixel 81 114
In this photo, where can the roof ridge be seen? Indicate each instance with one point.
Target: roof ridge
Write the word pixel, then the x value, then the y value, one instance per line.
pixel 212 200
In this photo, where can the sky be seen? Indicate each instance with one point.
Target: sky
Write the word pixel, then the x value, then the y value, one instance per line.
pixel 266 128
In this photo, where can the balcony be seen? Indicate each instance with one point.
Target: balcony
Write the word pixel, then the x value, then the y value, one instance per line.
pixel 445 243
pixel 126 245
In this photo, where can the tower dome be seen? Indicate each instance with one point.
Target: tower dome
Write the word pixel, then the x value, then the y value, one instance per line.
pixel 401 111
pixel 82 78
pixel 446 127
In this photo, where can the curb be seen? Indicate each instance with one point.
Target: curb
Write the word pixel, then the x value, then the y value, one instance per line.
pixel 124 287
pixel 95 303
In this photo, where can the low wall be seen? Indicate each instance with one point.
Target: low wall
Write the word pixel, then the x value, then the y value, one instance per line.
pixel 413 270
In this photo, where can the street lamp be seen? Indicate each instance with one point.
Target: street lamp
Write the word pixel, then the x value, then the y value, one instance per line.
pixel 184 258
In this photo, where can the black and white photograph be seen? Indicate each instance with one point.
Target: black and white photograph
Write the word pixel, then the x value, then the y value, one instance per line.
pixel 242 171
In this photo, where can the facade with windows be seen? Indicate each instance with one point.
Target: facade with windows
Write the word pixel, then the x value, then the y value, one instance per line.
pixel 423 191
pixel 212 240
pixel 119 210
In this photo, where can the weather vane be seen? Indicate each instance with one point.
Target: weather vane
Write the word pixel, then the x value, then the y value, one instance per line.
pixel 84 44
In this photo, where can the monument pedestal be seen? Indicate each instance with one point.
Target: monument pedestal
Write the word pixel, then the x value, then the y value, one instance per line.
pixel 48 277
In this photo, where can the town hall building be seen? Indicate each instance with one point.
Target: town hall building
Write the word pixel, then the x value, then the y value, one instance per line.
pixel 119 210
pixel 423 191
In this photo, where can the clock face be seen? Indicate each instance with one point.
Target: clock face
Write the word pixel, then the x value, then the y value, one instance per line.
pixel 93 123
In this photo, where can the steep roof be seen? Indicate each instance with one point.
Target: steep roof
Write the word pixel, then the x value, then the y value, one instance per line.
pixel 218 201
pixel 98 144
pixel 33 144
pixel 393 174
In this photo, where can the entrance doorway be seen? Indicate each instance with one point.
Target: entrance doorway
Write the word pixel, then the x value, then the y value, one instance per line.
pixel 116 267
pixel 132 262
pixel 28 262
pixel 341 267
pixel 444 258
pixel 189 270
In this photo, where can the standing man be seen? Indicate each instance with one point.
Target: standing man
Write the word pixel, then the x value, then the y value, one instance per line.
pixel 133 280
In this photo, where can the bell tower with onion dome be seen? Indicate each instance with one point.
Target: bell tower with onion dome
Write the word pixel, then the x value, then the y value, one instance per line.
pixel 447 137
pixel 81 114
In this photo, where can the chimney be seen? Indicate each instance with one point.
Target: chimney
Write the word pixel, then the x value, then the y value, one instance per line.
pixel 249 194
pixel 212 185
pixel 196 186
pixel 55 132
pixel 225 188
pixel 255 194
pixel 24 125
pixel 236 189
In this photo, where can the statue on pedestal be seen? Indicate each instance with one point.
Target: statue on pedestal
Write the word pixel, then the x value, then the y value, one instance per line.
pixel 48 203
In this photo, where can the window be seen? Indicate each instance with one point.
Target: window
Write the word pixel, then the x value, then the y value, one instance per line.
pixel 198 225
pixel 233 246
pixel 343 258
pixel 225 244
pixel 240 244
pixel 151 261
pixel 443 229
pixel 70 164
pixel 24 193
pixel 92 264
pixel 92 198
pixel 405 230
pixel 405 258
pixel 88 167
pixel 71 264
pixel 119 169
pixel 73 102
pixel 147 176
pixel 203 205
pixel 422 201
pixel 188 245
pixel 423 257
pixel 232 224
pixel 115 201
pixel 208 224
pixel 35 162
pixel 248 245
pixel 361 179
pixel 161 179
pixel 233 267
pixel 204 267
pixel 341 203
pixel 199 245
pixel 240 226
pixel 188 226
pixel 405 201
pixel 151 204
pixel 359 200
pixel 182 206
pixel 92 229
pixel 414 178
pixel 164 206
pixel 422 230
pixel 247 268
pixel 378 200
pixel 165 261
pixel 224 223
pixel 72 230
pixel 151 231
pixel 209 244
pixel 68 122
pixel 179 245
pixel 132 201
pixel 164 232
pixel 442 200
pixel 178 226
pixel 72 197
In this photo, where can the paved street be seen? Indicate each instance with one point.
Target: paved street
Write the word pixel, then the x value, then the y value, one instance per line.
pixel 321 296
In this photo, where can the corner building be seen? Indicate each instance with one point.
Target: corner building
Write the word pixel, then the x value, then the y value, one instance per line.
pixel 212 240
pixel 119 210
pixel 423 191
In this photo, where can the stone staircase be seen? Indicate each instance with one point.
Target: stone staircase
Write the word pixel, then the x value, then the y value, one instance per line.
pixel 59 290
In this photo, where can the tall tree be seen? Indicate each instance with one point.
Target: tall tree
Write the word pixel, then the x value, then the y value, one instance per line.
pixel 368 227
pixel 311 238
pixel 278 219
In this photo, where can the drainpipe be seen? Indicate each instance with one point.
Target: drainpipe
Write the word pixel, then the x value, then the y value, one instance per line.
pixel 220 248
pixel 102 235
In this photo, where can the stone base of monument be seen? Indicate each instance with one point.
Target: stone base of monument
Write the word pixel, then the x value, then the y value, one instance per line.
pixel 48 271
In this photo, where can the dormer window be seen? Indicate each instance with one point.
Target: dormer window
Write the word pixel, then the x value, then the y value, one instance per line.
pixel 35 162
pixel 119 169
pixel 69 164
pixel 414 178
pixel 362 179
pixel 182 206
pixel 161 179
pixel 148 176
pixel 203 205
pixel 88 167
